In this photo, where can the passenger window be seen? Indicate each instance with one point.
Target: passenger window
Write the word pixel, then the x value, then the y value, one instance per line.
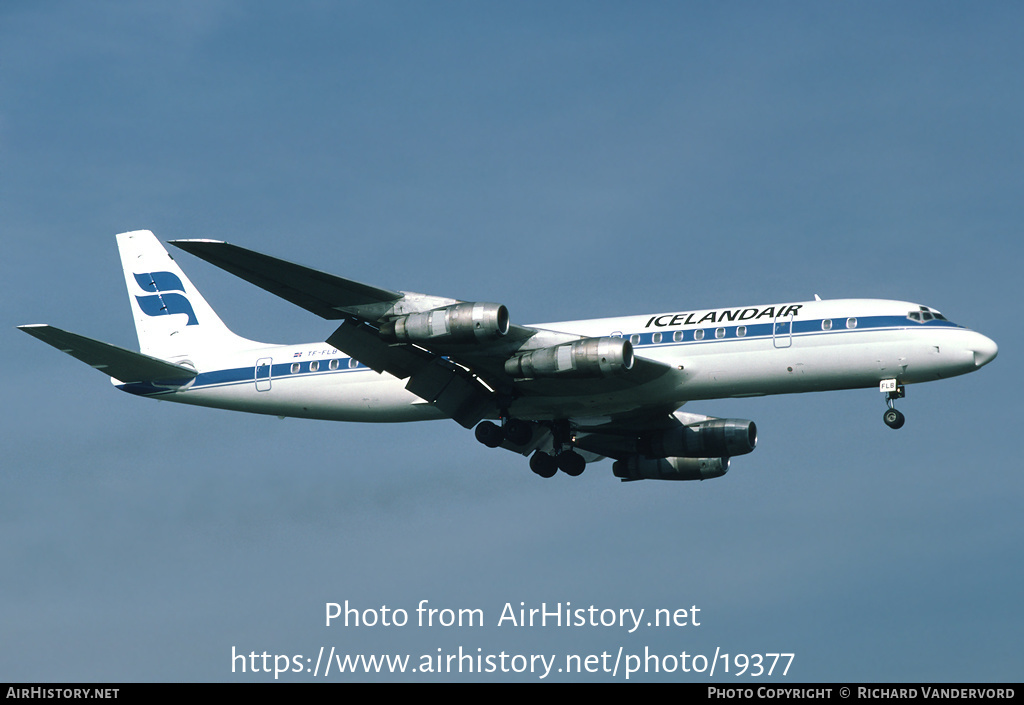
pixel 656 338
pixel 720 332
pixel 333 364
pixel 698 335
pixel 634 339
pixel 677 336
pixel 851 322
pixel 741 331
pixel 314 366
pixel 295 367
pixel 826 324
pixel 353 363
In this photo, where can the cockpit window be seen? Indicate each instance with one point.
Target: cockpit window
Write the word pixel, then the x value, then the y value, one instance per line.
pixel 924 315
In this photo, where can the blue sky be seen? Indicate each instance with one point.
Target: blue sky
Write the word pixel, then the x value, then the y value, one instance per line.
pixel 571 160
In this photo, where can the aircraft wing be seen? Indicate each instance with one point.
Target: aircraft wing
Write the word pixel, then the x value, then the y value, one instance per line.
pixel 442 346
pixel 119 363
pixel 324 294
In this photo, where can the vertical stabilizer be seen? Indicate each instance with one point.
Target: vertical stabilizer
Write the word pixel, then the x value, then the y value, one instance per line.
pixel 172 318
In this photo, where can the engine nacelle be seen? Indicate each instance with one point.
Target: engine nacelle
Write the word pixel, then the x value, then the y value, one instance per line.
pixel 637 467
pixel 715 437
pixel 590 357
pixel 466 322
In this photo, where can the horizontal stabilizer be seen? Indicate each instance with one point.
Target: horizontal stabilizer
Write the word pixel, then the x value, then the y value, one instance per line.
pixel 318 292
pixel 119 363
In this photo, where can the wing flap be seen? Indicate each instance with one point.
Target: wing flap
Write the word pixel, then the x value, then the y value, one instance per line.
pixel 362 342
pixel 119 363
pixel 453 390
pixel 456 393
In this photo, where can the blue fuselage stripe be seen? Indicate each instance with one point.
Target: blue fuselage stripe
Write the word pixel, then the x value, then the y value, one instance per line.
pixel 781 328
pixel 777 329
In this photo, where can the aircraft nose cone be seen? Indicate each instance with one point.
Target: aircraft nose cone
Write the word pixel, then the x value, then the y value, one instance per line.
pixel 985 350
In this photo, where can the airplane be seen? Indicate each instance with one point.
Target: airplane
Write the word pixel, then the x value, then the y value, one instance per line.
pixel 565 394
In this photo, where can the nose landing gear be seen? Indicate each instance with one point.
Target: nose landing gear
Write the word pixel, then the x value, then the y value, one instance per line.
pixel 893 418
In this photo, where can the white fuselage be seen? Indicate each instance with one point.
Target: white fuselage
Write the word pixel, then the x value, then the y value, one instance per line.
pixel 715 353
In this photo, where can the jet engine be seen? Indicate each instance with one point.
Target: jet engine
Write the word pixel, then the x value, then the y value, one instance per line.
pixel 590 357
pixel 715 437
pixel 636 467
pixel 465 322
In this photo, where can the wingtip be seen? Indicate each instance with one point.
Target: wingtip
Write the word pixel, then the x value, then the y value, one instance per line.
pixel 188 241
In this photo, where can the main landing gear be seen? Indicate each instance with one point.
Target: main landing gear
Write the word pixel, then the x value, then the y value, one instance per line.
pixel 893 418
pixel 543 464
pixel 514 431
pixel 565 458
pixel 518 432
pixel 568 461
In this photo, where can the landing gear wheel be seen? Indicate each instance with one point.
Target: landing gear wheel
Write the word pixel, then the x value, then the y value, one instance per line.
pixel 572 464
pixel 490 434
pixel 894 419
pixel 518 432
pixel 543 464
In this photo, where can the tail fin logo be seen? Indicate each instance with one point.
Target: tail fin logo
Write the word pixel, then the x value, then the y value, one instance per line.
pixel 164 302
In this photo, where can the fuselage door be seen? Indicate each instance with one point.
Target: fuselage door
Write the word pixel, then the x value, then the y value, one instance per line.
pixel 263 367
pixel 782 331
